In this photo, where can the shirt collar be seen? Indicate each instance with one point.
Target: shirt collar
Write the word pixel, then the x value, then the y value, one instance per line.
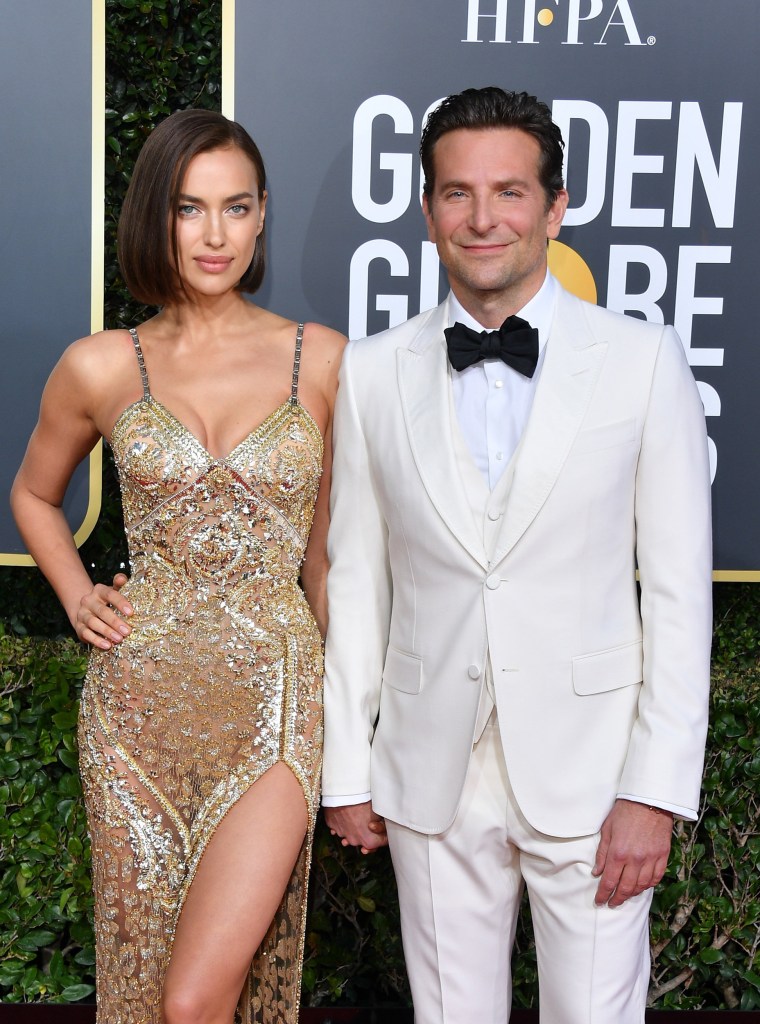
pixel 538 311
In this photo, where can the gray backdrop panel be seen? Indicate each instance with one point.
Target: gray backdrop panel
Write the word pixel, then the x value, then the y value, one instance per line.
pixel 304 69
pixel 45 208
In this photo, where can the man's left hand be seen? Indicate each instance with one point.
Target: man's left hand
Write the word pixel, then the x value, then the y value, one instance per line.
pixel 357 825
pixel 633 851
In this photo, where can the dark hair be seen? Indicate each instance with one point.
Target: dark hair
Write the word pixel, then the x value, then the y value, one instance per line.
pixel 147 233
pixel 494 108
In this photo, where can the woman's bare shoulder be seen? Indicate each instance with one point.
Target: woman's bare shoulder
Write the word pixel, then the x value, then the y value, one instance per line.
pixel 101 349
pixel 322 354
pixel 325 340
pixel 86 358
pixel 91 369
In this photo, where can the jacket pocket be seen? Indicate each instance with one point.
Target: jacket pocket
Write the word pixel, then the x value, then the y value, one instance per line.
pixel 607 436
pixel 402 671
pixel 608 670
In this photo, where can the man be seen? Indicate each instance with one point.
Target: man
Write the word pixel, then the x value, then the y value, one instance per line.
pixel 517 712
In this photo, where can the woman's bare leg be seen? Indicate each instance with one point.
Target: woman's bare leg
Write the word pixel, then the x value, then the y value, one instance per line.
pixel 232 900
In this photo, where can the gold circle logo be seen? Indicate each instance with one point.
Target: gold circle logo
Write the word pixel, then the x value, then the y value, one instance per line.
pixel 572 271
pixel 545 17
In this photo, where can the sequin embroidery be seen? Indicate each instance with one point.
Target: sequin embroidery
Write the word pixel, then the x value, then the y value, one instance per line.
pixel 219 680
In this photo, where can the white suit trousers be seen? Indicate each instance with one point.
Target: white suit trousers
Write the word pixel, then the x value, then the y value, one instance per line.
pixel 459 894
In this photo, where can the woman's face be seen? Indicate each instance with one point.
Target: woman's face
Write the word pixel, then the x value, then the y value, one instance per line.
pixel 219 218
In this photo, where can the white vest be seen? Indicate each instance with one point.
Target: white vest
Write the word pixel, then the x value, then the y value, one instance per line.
pixel 488 507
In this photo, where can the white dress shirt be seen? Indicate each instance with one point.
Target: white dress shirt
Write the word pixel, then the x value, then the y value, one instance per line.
pixel 492 401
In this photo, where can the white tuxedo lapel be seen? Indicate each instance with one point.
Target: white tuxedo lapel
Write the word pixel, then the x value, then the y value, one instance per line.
pixel 424 388
pixel 571 369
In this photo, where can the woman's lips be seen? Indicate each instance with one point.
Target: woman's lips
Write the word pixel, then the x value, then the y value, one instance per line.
pixel 213 264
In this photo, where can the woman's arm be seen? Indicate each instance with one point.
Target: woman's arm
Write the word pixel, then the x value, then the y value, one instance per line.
pixel 315 563
pixel 65 433
pixel 326 350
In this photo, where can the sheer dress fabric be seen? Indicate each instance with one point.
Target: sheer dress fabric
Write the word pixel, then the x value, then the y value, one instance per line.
pixel 219 680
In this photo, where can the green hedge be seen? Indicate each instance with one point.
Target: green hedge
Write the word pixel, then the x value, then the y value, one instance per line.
pixel 162 56
pixel 705 930
pixel 45 891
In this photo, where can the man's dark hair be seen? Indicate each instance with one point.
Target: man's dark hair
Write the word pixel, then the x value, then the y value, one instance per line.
pixel 492 107
pixel 147 234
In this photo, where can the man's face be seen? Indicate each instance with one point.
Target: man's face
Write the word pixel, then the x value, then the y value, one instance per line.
pixel 488 217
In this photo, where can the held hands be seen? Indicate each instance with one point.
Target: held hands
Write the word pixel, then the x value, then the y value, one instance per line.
pixel 96 620
pixel 633 851
pixel 357 825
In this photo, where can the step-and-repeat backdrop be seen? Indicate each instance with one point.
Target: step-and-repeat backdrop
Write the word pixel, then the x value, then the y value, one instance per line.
pixel 657 102
pixel 51 211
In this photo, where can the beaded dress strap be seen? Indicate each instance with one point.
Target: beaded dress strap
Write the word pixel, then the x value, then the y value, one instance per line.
pixel 140 363
pixel 296 366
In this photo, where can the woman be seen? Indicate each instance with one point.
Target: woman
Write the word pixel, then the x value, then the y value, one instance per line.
pixel 200 723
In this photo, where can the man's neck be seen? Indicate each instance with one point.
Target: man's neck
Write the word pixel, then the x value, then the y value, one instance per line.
pixel 492 309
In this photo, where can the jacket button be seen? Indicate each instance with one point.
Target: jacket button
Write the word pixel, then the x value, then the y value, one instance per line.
pixel 493 582
pixel 494 515
pixel 473 672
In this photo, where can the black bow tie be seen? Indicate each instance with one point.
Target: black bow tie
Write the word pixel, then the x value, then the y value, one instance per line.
pixel 515 342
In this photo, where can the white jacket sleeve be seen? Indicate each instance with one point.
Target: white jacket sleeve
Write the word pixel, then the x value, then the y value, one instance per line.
pixel 673 546
pixel 359 596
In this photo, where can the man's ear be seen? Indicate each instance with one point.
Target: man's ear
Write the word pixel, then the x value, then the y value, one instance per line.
pixel 557 213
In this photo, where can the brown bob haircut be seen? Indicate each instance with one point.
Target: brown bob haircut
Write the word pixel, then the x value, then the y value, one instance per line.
pixel 147 234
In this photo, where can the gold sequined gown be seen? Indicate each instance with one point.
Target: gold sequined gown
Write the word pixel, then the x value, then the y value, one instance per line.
pixel 219 679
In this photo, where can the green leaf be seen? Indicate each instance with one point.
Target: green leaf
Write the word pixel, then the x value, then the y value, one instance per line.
pixel 75 993
pixel 35 939
pixel 56 966
pixel 711 956
pixel 10 973
pixel 65 897
pixel 9 768
pixel 68 758
pixel 65 719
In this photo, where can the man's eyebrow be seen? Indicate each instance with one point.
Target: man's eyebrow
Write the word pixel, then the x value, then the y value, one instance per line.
pixel 505 183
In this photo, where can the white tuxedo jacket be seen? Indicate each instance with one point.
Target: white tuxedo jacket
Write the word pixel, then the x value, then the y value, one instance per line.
pixel 597 692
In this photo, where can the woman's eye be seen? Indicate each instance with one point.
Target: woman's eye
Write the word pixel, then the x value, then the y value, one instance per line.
pixel 187 211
